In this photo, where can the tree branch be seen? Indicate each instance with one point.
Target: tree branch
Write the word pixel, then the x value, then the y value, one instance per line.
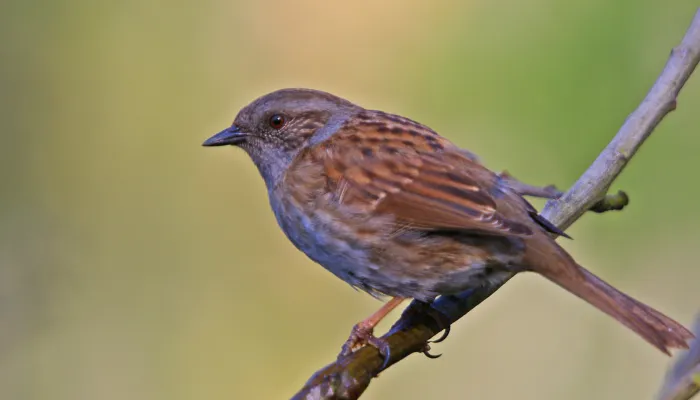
pixel 348 377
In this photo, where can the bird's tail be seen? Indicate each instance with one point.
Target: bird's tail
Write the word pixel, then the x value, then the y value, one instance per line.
pixel 656 328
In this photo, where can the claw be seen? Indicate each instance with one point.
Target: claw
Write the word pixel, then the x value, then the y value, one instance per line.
pixel 442 337
pixel 426 352
pixel 442 321
pixel 384 349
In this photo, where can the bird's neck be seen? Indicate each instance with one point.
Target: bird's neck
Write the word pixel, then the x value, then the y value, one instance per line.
pixel 273 167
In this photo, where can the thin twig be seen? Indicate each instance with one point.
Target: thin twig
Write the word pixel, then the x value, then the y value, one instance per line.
pixel 683 378
pixel 609 202
pixel 349 377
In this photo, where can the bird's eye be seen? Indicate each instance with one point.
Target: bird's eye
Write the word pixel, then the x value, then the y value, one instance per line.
pixel 277 121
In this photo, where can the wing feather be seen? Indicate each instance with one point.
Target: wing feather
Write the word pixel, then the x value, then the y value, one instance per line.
pixel 428 185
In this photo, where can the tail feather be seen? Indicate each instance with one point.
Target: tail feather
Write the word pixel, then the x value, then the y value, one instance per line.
pixel 656 328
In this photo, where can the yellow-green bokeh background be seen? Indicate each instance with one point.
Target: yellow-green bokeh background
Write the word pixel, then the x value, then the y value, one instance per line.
pixel 135 264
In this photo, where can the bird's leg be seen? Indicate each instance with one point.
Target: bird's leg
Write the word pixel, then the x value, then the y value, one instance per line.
pixel 363 332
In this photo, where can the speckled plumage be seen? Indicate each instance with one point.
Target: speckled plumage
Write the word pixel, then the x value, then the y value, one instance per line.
pixel 391 207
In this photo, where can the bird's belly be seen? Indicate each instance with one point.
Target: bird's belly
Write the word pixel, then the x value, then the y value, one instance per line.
pixel 408 264
pixel 424 265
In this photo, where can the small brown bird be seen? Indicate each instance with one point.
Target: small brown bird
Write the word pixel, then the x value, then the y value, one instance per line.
pixel 392 208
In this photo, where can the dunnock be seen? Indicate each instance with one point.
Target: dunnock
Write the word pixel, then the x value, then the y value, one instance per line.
pixel 392 208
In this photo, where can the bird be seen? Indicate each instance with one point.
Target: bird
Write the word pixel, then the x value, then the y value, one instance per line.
pixel 396 210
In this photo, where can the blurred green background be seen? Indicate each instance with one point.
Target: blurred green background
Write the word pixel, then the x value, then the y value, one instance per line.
pixel 135 264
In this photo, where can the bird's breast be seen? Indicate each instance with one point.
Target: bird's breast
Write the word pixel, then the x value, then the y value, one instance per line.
pixel 326 237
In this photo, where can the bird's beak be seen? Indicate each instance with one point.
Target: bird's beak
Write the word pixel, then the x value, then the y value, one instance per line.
pixel 229 136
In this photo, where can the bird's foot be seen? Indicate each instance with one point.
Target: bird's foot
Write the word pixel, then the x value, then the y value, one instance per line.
pixel 363 335
pixel 442 321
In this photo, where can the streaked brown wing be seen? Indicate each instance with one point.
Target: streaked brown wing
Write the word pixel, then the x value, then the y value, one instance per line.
pixel 424 185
